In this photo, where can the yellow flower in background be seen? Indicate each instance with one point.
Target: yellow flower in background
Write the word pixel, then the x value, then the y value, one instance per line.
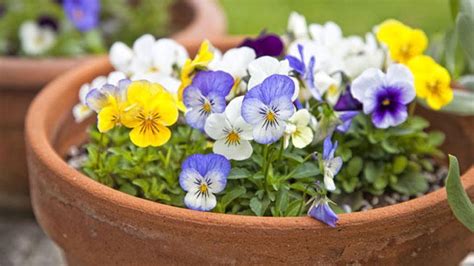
pixel 432 81
pixel 403 42
pixel 201 60
pixel 151 110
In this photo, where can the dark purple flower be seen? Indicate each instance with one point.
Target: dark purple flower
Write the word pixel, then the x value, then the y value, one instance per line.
pixel 347 103
pixel 321 211
pixel 84 14
pixel 265 44
pixel 385 96
pixel 47 22
pixel 306 71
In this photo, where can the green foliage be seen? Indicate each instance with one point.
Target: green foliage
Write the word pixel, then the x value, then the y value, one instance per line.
pixel 120 20
pixel 380 160
pixel 458 199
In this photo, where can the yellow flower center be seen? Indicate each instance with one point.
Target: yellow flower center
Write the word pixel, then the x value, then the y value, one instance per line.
pixel 386 102
pixel 152 69
pixel 433 87
pixel 149 123
pixel 271 117
pixel 203 188
pixel 207 107
pixel 332 90
pixel 232 138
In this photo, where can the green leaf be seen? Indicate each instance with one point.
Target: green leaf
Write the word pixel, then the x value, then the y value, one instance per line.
pixel 239 173
pixel 305 170
pixel 462 103
pixel 454 7
pixel 458 199
pixel 259 206
pixel 281 203
pixel 231 195
pixel 399 164
pixel 435 138
pixel 467 82
pixel 372 171
pixel 355 166
pixel 464 26
pixel 129 189
pixel 411 183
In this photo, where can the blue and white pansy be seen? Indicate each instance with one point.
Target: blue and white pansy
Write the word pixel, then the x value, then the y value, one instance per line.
pixel 332 165
pixel 206 95
pixel 231 132
pixel 268 106
pixel 306 71
pixel 201 177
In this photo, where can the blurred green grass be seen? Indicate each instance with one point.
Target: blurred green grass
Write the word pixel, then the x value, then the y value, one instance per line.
pixel 354 16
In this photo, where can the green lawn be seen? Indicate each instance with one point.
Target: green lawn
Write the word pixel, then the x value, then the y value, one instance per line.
pixel 354 16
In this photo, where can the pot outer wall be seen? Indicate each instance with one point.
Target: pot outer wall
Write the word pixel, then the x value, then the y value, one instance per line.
pixel 22 78
pixel 96 225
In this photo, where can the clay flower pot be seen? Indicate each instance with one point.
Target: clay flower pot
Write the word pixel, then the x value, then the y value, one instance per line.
pixel 97 225
pixel 22 78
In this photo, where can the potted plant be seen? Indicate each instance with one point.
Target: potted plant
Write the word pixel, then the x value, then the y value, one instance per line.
pixel 41 39
pixel 189 156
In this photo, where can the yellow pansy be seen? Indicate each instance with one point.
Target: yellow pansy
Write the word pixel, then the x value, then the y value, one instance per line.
pixel 432 81
pixel 403 42
pixel 151 110
pixel 201 60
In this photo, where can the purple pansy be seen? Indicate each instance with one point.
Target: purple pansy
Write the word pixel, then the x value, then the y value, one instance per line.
pixel 206 95
pixel 347 102
pixel 267 107
pixel 346 119
pixel 201 177
pixel 332 165
pixel 84 14
pixel 321 211
pixel 265 44
pixel 385 96
pixel 306 71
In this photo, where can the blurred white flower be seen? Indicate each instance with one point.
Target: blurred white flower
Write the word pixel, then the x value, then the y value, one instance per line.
pixel 297 26
pixel 36 40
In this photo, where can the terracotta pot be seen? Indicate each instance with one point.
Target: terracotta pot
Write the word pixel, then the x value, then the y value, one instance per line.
pixel 97 225
pixel 21 79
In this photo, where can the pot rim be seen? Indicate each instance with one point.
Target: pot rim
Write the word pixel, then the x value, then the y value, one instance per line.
pixel 40 133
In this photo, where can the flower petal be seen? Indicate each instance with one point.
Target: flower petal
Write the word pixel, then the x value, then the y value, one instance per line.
pixel 144 137
pixel 240 151
pixel 267 134
pixel 367 83
pixel 197 201
pixel 215 126
pixel 303 137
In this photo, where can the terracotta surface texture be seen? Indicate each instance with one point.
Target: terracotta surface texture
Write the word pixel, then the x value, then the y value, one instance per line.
pixel 22 78
pixel 96 225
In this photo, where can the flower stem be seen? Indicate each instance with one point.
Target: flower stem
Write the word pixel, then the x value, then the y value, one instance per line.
pixel 188 138
pixel 99 150
pixel 300 209
pixel 412 108
pixel 282 147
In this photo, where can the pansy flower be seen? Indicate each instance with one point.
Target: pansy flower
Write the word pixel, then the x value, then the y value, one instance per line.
pixel 110 103
pixel 346 120
pixel 332 165
pixel 203 57
pixel 432 81
pixel 84 14
pixel 403 42
pixel 321 211
pixel 385 96
pixel 201 177
pixel 36 39
pixel 297 26
pixel 268 106
pixel 297 128
pixel 266 44
pixel 206 95
pixel 231 132
pixel 152 109
pixel 305 70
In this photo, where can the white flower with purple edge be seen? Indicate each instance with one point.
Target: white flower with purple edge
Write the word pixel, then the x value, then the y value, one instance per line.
pixel 231 132
pixel 268 106
pixel 332 165
pixel 206 95
pixel 321 211
pixel 385 96
pixel 201 177
pixel 98 98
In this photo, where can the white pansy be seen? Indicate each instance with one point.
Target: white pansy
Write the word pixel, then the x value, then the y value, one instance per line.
pixel 297 128
pixel 235 62
pixel 81 111
pixel 329 34
pixel 329 86
pixel 36 40
pixel 265 66
pixel 231 132
pixel 297 26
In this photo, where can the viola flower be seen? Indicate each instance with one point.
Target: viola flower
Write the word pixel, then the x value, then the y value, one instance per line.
pixel 329 34
pixel 329 86
pixel 432 81
pixel 84 14
pixel 36 39
pixel 403 42
pixel 201 177
pixel 321 211
pixel 267 107
pixel 297 128
pixel 81 111
pixel 346 120
pixel 305 70
pixel 151 110
pixel 201 60
pixel 297 26
pixel 347 102
pixel 385 96
pixel 110 103
pixel 332 165
pixel 231 132
pixel 265 66
pixel 206 95
pixel 235 62
pixel 48 22
pixel 266 44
